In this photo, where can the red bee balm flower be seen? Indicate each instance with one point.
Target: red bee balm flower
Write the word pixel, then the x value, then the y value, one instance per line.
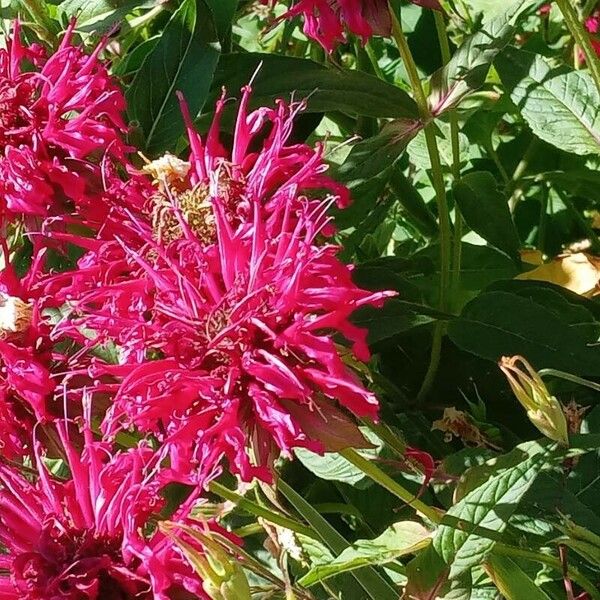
pixel 85 538
pixel 327 21
pixel 59 115
pixel 592 24
pixel 25 359
pixel 225 309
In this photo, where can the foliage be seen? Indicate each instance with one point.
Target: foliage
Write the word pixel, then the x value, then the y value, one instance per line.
pixel 472 187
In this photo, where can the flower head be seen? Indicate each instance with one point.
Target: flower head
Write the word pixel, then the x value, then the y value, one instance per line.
pixel 26 384
pixel 225 307
pixel 329 21
pixel 592 24
pixel 88 537
pixel 59 116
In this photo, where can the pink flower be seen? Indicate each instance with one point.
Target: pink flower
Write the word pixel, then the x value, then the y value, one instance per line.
pixel 224 302
pixel 329 21
pixel 592 24
pixel 26 384
pixel 88 537
pixel 59 116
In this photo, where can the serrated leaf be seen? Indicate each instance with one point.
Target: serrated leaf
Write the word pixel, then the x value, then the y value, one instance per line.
pixel 87 10
pixel 419 154
pixel 400 539
pixel 561 106
pixel 184 59
pixel 471 527
pixel 468 68
pixel 485 210
pixel 512 581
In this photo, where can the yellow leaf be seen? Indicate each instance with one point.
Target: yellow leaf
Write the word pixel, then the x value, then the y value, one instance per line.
pixel 579 273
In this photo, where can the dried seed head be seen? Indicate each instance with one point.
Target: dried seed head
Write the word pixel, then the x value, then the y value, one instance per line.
pixel 168 171
pixel 15 315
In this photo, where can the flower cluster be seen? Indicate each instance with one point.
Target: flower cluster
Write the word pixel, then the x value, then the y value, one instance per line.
pixel 592 24
pixel 223 302
pixel 207 324
pixel 60 125
pixel 329 21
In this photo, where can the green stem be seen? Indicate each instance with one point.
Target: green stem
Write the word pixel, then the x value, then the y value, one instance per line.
pixel 374 62
pixel 439 186
pixel 384 480
pixel 581 37
pixel 551 561
pixel 260 511
pixel 494 156
pixel 517 192
pixel 440 25
pixel 569 377
pixel 146 17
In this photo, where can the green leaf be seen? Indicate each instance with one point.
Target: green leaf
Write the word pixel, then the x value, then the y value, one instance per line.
pixel 419 154
pixel 370 580
pixel 333 467
pixel 368 167
pixel 134 59
pixel 406 537
pixel 468 68
pixel 395 317
pixel 512 582
pixel 183 60
pixel 223 12
pixel 561 106
pixel 415 207
pixel 584 542
pixel 498 323
pixel 471 527
pixel 100 15
pixel 326 89
pixel 485 210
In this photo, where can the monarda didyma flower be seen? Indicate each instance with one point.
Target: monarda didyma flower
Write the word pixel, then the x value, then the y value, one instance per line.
pixel 26 384
pixel 225 309
pixel 328 21
pixel 60 115
pixel 91 536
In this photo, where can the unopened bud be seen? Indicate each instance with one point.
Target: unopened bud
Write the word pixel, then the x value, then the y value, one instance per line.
pixel 543 409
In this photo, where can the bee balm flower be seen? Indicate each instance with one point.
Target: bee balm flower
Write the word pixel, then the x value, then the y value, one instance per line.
pixel 229 309
pixel 89 537
pixel 328 21
pixel 60 115
pixel 26 383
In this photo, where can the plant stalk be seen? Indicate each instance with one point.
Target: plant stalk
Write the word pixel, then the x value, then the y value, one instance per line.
pixel 384 480
pixel 260 511
pixel 439 186
pixel 440 25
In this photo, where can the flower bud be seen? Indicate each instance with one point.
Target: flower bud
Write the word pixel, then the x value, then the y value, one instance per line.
pixel 223 576
pixel 543 409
